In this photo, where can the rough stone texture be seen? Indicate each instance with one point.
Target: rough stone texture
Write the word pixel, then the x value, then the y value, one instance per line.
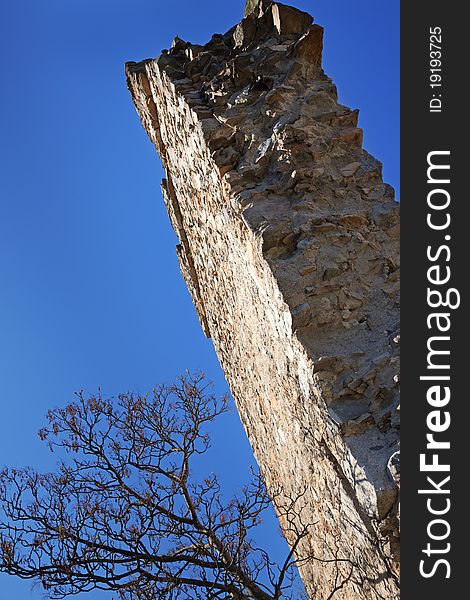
pixel 251 6
pixel 289 247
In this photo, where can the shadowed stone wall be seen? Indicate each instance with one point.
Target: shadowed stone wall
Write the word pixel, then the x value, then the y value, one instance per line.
pixel 289 247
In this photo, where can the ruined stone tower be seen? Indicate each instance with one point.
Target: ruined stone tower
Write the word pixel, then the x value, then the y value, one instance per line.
pixel 289 247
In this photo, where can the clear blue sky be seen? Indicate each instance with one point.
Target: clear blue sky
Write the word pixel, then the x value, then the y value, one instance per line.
pixel 90 291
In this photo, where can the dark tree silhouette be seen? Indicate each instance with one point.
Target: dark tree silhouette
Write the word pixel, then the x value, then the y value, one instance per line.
pixel 125 513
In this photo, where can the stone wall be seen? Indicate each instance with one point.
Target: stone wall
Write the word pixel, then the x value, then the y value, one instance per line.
pixel 289 247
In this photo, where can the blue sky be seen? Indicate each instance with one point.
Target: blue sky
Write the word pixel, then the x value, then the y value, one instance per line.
pixel 90 291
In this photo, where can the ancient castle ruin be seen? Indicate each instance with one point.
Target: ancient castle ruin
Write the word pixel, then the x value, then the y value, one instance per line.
pixel 289 245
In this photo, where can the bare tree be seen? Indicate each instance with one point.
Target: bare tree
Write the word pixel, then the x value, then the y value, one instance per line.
pixel 124 511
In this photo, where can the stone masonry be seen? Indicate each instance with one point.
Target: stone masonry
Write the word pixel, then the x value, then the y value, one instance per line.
pixel 289 245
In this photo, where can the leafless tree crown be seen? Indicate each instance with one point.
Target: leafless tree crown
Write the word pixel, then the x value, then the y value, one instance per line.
pixel 124 511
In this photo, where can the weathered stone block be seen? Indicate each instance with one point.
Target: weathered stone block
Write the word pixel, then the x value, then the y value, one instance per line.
pixel 251 6
pixel 245 32
pixel 310 46
pixel 289 20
